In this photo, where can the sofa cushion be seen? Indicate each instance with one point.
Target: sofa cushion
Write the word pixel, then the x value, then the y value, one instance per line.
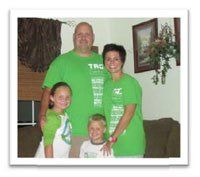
pixel 29 138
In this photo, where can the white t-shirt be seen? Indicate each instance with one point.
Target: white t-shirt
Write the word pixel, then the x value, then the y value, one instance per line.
pixel 61 142
pixel 91 150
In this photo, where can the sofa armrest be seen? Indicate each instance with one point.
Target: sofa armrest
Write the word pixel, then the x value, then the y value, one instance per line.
pixel 162 138
pixel 29 138
pixel 173 144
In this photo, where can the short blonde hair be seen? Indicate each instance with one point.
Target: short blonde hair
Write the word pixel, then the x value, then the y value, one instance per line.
pixel 98 118
pixel 83 23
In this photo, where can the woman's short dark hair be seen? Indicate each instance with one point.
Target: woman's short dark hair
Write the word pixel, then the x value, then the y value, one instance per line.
pixel 54 88
pixel 114 47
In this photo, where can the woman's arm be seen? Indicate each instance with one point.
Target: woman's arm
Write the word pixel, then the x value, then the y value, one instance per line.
pixel 125 120
pixel 129 111
pixel 48 150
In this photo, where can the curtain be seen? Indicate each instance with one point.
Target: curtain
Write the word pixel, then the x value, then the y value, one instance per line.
pixel 39 42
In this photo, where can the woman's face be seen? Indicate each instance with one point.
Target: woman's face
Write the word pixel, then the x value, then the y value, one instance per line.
pixel 113 62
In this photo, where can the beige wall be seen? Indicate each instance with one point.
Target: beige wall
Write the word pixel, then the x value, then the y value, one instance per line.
pixel 158 101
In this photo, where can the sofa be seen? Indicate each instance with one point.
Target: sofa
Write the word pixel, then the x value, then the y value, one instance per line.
pixel 162 139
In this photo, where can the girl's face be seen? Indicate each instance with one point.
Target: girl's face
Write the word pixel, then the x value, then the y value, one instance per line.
pixel 113 62
pixel 96 131
pixel 61 98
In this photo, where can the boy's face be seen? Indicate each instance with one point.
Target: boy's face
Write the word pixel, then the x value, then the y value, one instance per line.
pixel 96 131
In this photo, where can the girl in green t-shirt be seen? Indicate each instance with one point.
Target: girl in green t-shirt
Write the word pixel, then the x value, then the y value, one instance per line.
pixel 122 102
pixel 57 130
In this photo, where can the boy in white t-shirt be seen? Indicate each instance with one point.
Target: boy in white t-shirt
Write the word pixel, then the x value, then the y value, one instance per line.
pixel 93 147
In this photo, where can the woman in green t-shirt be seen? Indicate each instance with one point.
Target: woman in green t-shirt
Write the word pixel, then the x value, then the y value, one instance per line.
pixel 122 101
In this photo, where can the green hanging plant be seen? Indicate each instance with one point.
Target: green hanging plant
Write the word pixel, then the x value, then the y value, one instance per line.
pixel 161 51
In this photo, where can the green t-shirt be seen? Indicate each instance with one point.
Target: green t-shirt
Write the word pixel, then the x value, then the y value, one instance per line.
pixel 86 76
pixel 118 94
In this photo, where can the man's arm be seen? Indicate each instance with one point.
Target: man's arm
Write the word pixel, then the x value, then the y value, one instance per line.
pixel 44 106
pixel 48 150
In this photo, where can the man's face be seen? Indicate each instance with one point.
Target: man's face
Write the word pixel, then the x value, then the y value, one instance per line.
pixel 83 38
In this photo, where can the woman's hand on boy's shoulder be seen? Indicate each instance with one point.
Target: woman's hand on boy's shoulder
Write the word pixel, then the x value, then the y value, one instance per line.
pixel 107 148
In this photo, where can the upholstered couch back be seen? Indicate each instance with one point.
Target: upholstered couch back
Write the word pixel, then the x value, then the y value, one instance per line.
pixel 162 139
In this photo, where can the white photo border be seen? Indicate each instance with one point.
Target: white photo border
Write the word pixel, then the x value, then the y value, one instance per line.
pixel 100 13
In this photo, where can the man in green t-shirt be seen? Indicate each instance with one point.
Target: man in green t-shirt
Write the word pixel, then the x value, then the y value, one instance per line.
pixel 83 70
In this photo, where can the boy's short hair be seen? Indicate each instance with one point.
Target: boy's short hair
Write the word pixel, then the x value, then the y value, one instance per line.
pixel 97 117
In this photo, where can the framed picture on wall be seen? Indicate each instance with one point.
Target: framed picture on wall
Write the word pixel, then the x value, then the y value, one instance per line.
pixel 143 34
pixel 177 37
